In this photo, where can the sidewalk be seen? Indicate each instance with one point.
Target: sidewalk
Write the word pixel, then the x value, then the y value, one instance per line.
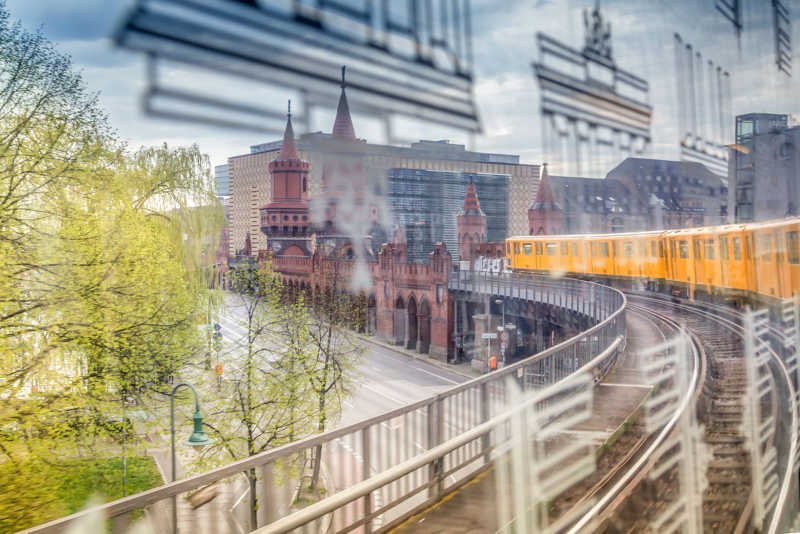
pixel 464 369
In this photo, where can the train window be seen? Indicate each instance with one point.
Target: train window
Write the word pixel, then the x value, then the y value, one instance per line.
pixel 551 249
pixel 585 250
pixel 724 254
pixel 508 248
pixel 660 249
pixel 538 249
pixel 527 248
pixel 627 249
pixel 603 250
pixel 709 249
pixel 697 250
pixel 778 248
pixel 765 248
pixel 737 249
pixel 747 246
pixel 642 249
pixel 565 249
pixel 793 248
pixel 615 249
pixel 575 250
pixel 594 250
pixel 652 249
pixel 683 245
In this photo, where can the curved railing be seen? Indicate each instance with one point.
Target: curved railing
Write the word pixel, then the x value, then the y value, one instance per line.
pixel 378 446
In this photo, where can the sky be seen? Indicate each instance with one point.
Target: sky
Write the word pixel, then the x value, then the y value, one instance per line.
pixel 506 91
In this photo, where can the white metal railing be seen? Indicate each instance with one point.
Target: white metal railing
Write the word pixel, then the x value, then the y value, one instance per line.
pixel 375 447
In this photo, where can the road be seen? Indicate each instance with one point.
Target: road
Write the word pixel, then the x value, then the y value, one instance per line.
pixel 389 380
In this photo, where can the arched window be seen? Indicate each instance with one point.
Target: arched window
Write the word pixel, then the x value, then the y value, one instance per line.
pixel 304 185
pixel 617 225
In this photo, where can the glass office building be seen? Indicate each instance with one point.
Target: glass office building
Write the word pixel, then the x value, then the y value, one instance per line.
pixel 425 203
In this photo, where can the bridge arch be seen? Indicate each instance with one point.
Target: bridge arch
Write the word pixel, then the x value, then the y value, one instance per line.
pixel 424 326
pixel 399 320
pixel 412 327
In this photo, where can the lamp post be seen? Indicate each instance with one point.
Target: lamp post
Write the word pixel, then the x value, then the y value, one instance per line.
pixel 503 306
pixel 197 440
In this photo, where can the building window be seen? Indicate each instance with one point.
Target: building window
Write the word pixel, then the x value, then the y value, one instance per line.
pixel 304 185
pixel 617 225
pixel 551 249
pixel 793 248
pixel 683 246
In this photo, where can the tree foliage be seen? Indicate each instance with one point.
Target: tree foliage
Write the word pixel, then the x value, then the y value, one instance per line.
pixel 102 270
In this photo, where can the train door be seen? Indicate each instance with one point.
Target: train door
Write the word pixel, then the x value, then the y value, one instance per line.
pixel 782 269
pixel 752 262
pixel 697 260
pixel 793 259
pixel 724 258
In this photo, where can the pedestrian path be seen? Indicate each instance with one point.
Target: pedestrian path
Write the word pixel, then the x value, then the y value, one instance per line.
pixel 472 508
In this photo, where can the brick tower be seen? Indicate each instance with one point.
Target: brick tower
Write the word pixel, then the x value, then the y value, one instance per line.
pixel 286 219
pixel 345 213
pixel 545 214
pixel 471 223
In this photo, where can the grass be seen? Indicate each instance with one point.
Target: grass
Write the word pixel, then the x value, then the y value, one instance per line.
pixel 34 492
pixel 103 479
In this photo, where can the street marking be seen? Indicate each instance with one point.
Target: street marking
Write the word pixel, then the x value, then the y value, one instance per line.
pixel 383 394
pixel 626 385
pixel 348 404
pixel 379 370
pixel 417 368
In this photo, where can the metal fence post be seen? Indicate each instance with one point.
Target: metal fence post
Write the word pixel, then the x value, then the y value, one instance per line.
pixel 366 474
pixel 433 426
pixel 485 416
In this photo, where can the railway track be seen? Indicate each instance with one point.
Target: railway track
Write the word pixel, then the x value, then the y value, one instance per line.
pixel 718 386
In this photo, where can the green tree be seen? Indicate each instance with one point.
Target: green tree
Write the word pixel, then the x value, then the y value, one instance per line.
pixel 102 271
pixel 262 401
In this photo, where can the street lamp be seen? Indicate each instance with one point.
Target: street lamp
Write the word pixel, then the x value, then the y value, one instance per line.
pixel 502 305
pixel 197 440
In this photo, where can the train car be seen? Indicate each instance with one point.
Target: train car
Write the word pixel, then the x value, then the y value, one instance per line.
pixel 733 262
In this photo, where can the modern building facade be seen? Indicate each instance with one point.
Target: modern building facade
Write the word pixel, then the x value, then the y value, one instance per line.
pixel 498 178
pixel 764 167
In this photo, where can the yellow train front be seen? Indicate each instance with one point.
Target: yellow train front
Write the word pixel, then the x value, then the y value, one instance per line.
pixel 732 263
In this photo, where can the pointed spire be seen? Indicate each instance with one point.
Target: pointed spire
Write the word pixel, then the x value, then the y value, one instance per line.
pixel 471 205
pixel 545 198
pixel 289 146
pixel 343 125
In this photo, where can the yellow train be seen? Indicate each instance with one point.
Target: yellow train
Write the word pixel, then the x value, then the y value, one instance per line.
pixel 737 261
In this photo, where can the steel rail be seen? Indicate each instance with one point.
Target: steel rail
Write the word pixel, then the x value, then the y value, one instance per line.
pixel 326 506
pixel 617 489
pixel 790 467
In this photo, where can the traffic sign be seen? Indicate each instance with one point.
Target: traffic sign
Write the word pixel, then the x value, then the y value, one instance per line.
pixel 504 336
pixel 499 328
pixel 503 345
pixel 217 346
pixel 217 327
pixel 489 336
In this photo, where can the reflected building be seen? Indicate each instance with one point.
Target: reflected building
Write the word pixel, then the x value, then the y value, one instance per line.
pixel 764 167
pixel 594 114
